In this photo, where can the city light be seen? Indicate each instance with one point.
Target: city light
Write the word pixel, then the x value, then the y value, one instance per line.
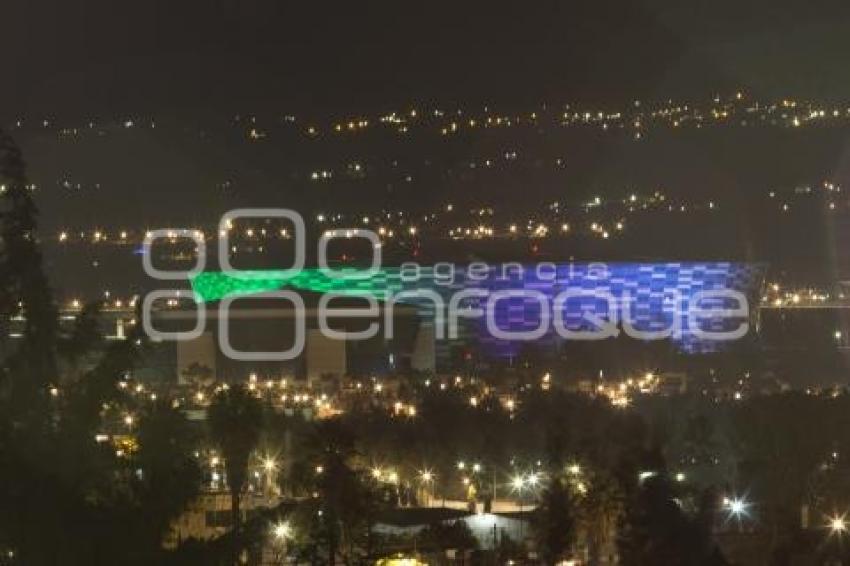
pixel 269 465
pixel 548 287
pixel 645 475
pixel 738 508
pixel 282 530
pixel 837 524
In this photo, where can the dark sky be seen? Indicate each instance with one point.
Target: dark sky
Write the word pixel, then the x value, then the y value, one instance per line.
pixel 97 58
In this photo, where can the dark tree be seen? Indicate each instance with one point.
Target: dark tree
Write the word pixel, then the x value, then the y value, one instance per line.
pixel 170 476
pixel 65 498
pixel 655 530
pixel 554 521
pixel 24 290
pixel 235 420
pixel 346 503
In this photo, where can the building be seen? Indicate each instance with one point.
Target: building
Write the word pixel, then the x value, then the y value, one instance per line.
pixel 444 307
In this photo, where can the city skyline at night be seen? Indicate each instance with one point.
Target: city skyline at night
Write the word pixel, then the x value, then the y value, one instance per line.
pixel 547 283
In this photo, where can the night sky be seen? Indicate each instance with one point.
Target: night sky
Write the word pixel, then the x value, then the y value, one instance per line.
pixel 100 58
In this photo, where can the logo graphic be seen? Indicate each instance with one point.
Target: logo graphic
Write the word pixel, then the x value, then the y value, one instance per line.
pixel 692 304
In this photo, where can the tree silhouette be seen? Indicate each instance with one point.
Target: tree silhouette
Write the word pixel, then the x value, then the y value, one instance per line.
pixel 339 517
pixel 600 509
pixel 66 498
pixel 554 521
pixel 170 476
pixel 655 530
pixel 235 420
pixel 24 290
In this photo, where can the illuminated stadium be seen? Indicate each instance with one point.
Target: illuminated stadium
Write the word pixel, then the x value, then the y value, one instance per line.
pixel 643 293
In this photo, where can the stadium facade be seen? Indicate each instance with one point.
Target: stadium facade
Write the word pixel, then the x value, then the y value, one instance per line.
pixel 649 298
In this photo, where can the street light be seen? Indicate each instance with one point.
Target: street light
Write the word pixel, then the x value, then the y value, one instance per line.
pixel 282 530
pixel 517 483
pixel 426 477
pixel 269 465
pixel 281 533
pixel 837 525
pixel 518 486
pixel 737 508
pixel 645 475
